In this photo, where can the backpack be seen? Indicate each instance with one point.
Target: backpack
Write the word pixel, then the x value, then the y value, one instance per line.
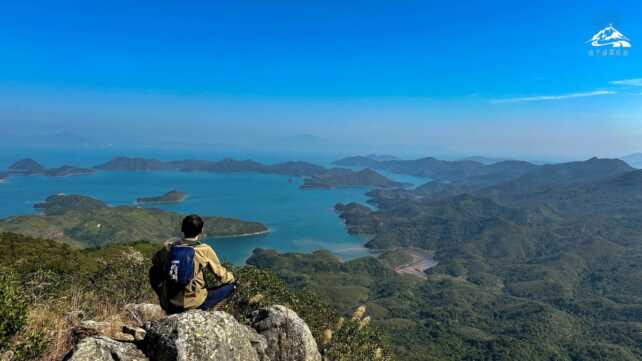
pixel 179 269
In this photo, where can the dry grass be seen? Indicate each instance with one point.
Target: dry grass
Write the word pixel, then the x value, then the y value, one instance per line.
pixel 56 319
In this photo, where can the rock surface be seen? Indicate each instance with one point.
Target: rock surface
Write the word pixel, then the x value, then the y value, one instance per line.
pixel 140 313
pixel 288 336
pixel 277 334
pixel 200 336
pixel 105 349
pixel 113 329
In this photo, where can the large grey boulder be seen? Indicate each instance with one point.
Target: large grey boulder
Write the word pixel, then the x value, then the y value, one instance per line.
pixel 288 336
pixel 140 313
pixel 105 349
pixel 200 336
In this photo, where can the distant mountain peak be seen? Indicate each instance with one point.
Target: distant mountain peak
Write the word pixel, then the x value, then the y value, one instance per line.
pixel 27 165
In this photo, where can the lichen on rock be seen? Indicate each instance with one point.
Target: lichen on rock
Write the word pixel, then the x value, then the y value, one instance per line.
pixel 102 348
pixel 287 335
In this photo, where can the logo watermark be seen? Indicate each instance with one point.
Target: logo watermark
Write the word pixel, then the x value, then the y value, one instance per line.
pixel 609 42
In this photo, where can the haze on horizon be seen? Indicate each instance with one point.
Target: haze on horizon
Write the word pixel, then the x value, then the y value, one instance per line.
pixel 413 78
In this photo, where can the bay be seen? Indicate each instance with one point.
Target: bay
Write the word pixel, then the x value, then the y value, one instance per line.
pixel 299 220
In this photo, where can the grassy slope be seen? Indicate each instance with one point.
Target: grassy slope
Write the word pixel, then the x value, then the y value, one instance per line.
pixel 64 285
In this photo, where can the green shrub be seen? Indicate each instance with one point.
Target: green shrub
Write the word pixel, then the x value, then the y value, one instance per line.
pixel 32 346
pixel 13 308
pixel 353 342
pixel 267 289
pixel 122 277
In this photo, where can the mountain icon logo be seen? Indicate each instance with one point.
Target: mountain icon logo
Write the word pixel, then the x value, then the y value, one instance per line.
pixel 610 36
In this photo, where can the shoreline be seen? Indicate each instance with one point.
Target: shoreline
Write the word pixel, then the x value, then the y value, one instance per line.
pixel 244 234
pixel 159 202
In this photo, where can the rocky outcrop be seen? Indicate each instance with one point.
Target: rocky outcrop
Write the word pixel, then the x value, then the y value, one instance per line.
pixel 276 334
pixel 199 335
pixel 105 349
pixel 288 336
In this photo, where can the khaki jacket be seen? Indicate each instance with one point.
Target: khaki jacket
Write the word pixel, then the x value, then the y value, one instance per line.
pixel 194 294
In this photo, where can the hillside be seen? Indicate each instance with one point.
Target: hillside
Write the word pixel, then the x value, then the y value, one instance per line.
pixel 114 314
pixel 571 305
pixel 634 160
pixel 546 176
pixel 483 160
pixel 292 168
pixel 88 222
pixel 466 169
pixel 477 174
pixel 513 182
pixel 27 165
pixel 548 268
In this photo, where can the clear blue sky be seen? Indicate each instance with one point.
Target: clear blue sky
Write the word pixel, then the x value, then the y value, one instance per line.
pixel 490 77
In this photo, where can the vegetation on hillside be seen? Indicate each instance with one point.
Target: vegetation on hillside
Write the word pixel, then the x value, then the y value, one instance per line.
pixel 343 177
pixel 50 287
pixel 556 308
pixel 540 268
pixel 87 222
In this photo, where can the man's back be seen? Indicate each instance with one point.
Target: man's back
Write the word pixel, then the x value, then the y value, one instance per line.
pixel 195 292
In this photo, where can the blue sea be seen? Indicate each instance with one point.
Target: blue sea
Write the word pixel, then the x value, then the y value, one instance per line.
pixel 299 220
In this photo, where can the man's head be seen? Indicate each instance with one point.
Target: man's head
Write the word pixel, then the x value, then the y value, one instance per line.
pixel 192 226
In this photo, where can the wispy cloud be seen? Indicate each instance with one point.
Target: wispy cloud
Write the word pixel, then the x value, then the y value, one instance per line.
pixel 552 97
pixel 628 82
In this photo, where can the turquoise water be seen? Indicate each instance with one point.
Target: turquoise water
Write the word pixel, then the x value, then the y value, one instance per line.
pixel 299 220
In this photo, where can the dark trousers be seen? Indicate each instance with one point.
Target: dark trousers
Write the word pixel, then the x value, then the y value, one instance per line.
pixel 216 295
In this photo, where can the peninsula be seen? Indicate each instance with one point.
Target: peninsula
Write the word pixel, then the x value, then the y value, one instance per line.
pixel 169 197
pixel 87 222
pixel 342 177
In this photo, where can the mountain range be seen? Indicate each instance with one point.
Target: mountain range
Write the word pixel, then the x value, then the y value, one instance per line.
pixel 545 265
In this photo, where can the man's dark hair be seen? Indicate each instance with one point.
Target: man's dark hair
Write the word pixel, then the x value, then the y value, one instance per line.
pixel 192 226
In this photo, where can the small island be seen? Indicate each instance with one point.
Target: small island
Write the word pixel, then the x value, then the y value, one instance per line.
pixel 342 177
pixel 29 167
pixel 169 197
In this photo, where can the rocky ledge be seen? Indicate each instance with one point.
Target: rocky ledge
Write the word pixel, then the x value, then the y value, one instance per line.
pixel 275 334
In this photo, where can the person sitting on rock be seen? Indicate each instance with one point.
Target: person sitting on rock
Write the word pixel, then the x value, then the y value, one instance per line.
pixel 178 271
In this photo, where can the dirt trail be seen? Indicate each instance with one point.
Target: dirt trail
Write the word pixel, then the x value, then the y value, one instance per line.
pixel 421 261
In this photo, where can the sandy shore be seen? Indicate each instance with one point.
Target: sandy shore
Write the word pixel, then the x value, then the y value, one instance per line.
pixel 421 261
